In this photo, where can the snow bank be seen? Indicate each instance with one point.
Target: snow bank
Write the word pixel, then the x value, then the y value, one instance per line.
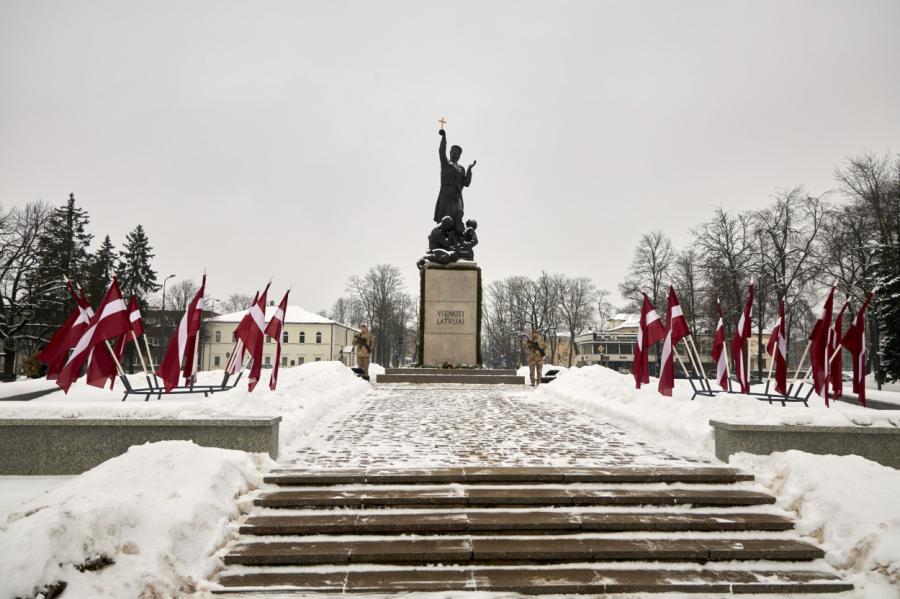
pixel 848 504
pixel 682 425
pixel 159 512
pixel 304 394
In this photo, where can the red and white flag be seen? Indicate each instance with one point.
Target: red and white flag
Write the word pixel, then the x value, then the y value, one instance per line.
pixel 101 367
pixel 110 320
pixel 274 330
pixel 180 352
pixel 836 365
pixel 251 331
pixel 854 341
pixel 676 330
pixel 818 347
pixel 777 348
pixel 56 352
pixel 719 355
pixel 236 360
pixel 650 330
pixel 739 343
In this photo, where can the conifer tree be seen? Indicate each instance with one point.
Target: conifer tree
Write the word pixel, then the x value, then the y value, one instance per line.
pixel 136 272
pixel 101 269
pixel 62 252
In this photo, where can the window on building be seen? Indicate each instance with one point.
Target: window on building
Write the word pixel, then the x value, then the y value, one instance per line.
pixel 302 337
pixel 319 337
pixel 217 360
pixel 300 360
pixel 284 361
pixel 292 362
pixel 284 337
pixel 268 339
pixel 318 359
pixel 218 336
pixel 268 361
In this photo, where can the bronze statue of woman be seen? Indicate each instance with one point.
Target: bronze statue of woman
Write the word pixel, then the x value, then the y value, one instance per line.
pixel 453 178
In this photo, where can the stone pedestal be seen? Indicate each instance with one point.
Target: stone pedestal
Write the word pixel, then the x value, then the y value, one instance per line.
pixel 450 315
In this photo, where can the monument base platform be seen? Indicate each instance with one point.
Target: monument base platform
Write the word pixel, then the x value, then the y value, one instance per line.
pixel 467 376
pixel 450 313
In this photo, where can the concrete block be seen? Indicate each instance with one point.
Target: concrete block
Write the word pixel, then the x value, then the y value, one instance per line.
pixel 53 446
pixel 879 444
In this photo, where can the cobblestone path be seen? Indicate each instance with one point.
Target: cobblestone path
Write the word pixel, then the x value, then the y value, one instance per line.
pixel 417 426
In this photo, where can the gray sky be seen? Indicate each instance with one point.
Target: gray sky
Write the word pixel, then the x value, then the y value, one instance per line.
pixel 299 139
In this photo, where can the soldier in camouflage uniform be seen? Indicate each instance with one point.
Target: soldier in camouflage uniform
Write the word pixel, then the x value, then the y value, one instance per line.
pixel 535 349
pixel 364 343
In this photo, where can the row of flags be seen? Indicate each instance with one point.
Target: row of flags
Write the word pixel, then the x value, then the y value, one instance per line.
pixel 83 340
pixel 824 348
pixel 82 343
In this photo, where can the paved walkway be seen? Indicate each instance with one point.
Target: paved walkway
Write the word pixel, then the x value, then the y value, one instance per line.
pixel 415 426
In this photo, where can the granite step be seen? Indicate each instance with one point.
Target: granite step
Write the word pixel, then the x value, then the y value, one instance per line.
pixel 557 580
pixel 508 497
pixel 462 379
pixel 478 550
pixel 509 474
pixel 453 371
pixel 499 522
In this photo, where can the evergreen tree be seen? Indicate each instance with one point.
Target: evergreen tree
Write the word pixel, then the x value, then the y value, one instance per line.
pixel 136 273
pixel 101 269
pixel 62 252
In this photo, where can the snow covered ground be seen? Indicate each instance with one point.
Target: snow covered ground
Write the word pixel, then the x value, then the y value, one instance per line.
pixel 846 503
pixel 159 512
pixel 304 394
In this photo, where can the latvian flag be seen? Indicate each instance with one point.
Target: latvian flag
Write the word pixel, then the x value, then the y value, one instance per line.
pixel 676 330
pixel 777 348
pixel 739 342
pixel 719 355
pixel 181 345
pixel 251 332
pixel 274 330
pixel 650 330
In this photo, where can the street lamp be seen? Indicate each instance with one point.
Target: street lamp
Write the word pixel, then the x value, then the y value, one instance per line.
pixel 163 309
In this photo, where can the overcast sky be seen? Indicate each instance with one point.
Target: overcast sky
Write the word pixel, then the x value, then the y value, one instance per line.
pixel 299 139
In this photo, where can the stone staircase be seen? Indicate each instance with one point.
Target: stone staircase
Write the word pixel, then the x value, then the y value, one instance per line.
pixel 469 376
pixel 532 530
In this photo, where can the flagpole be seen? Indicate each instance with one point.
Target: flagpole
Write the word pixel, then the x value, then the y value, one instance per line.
pixel 115 359
pixel 150 358
pixel 683 367
pixel 699 366
pixel 802 359
pixel 137 346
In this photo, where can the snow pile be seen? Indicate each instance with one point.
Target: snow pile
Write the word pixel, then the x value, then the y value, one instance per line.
pixel 848 504
pixel 523 370
pixel 159 512
pixel 682 425
pixel 304 395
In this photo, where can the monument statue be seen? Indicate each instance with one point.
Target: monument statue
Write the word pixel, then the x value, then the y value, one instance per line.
pixel 453 178
pixel 451 240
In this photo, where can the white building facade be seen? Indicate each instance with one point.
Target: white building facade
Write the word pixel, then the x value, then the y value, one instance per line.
pixel 307 337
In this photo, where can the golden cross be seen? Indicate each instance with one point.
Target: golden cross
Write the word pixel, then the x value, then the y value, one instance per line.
pixel 442 122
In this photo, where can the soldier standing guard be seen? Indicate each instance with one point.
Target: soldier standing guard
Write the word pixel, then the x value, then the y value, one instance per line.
pixel 535 349
pixel 363 342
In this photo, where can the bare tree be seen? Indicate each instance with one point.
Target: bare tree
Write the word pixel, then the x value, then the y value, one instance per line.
pixel 577 300
pixel 650 270
pixel 237 302
pixel 387 307
pixel 179 295
pixel 22 295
